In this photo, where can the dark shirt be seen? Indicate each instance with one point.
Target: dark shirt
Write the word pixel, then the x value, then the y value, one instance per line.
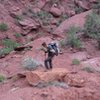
pixel 50 54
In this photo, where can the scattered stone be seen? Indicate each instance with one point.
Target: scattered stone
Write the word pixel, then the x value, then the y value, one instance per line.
pixel 74 81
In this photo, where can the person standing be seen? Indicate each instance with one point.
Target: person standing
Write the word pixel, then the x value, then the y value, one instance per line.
pixel 50 54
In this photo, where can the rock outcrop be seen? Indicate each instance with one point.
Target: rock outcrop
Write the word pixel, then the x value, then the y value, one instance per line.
pixel 35 77
pixel 77 20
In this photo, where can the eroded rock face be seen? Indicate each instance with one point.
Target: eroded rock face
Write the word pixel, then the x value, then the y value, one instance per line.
pixel 77 20
pixel 57 74
pixel 28 25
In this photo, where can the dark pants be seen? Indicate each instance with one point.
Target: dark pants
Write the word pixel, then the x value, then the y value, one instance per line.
pixel 48 63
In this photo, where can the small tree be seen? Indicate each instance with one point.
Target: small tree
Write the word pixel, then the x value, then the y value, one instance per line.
pixel 92 27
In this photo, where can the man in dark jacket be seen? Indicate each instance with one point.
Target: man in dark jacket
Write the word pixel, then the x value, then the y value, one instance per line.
pixel 51 53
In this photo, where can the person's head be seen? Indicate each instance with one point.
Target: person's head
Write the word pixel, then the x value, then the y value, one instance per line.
pixel 44 44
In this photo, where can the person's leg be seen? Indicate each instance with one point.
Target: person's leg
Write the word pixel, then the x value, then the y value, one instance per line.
pixel 50 62
pixel 46 63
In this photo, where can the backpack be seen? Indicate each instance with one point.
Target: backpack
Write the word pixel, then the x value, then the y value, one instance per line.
pixel 53 46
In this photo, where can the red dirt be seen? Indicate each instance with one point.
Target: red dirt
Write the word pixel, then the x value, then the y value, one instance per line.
pixel 19 89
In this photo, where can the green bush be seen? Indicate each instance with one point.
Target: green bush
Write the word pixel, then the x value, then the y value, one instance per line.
pixel 9 45
pixel 5 51
pixel 17 35
pixel 30 63
pixel 92 27
pixel 73 41
pixel 2 78
pixel 3 27
pixel 75 62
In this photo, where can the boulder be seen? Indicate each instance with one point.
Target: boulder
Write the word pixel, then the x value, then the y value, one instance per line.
pixel 56 74
pixel 55 11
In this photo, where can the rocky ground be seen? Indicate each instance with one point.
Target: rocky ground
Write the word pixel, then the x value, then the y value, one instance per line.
pixel 69 79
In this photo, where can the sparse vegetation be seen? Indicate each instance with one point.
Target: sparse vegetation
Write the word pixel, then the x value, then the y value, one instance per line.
pixel 45 17
pixel 92 27
pixel 2 78
pixel 63 43
pixel 89 69
pixel 75 62
pixel 30 63
pixel 78 9
pixel 5 51
pixel 96 5
pixel 52 83
pixel 73 40
pixel 9 45
pixel 17 35
pixel 3 27
pixel 18 17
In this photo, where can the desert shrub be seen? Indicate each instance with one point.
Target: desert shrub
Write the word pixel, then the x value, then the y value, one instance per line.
pixel 17 35
pixel 92 27
pixel 45 17
pixel 30 63
pixel 3 27
pixel 89 69
pixel 58 84
pixel 52 83
pixel 18 17
pixel 2 78
pixel 8 43
pixel 78 9
pixel 72 39
pixel 96 5
pixel 61 19
pixel 5 51
pixel 75 62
